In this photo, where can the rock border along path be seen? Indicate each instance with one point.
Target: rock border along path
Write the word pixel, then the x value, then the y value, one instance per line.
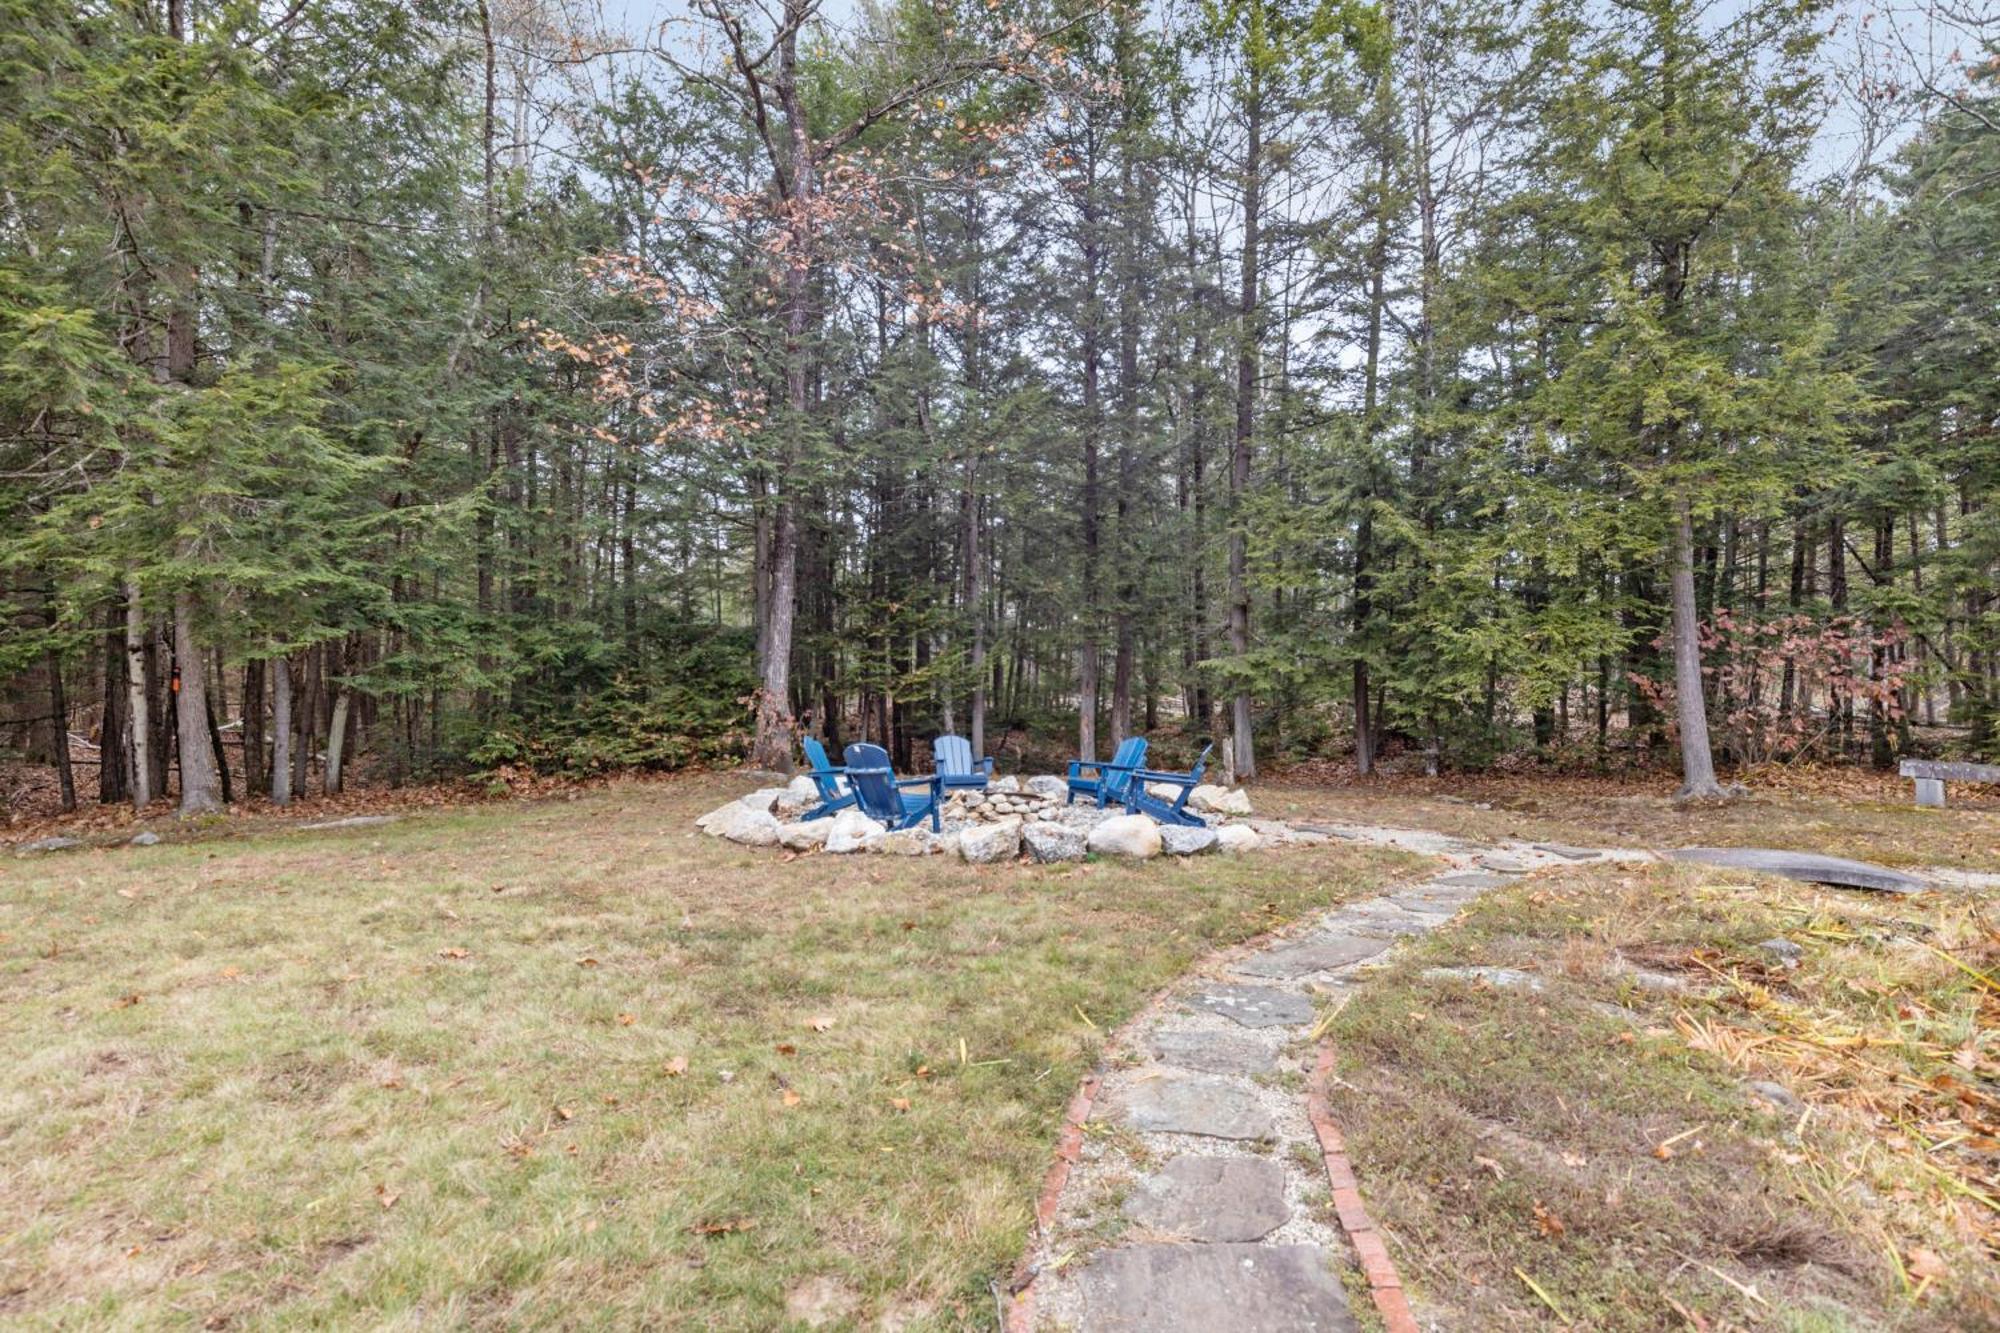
pixel 1196 1134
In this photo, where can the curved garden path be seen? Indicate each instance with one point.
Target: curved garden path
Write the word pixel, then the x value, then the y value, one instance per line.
pixel 1200 1183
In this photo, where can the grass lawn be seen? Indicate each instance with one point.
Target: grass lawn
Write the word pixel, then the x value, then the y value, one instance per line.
pixel 561 1064
pixel 1591 1155
pixel 1840 812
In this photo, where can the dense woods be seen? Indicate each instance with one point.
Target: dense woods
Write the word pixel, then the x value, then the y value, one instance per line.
pixel 417 388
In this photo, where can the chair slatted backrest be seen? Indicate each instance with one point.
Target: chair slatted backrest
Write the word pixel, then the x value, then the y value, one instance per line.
pixel 875 792
pixel 1131 754
pixel 822 770
pixel 1200 764
pixel 953 755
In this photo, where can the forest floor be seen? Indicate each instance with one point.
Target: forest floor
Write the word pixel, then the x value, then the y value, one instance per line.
pixel 560 1061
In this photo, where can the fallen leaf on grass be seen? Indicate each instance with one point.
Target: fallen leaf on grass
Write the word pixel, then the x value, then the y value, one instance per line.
pixel 386 1197
pixel 627 1020
pixel 1924 1265
pixel 786 1048
pixel 1487 1163
pixel 820 1023
pixel 1547 1222
pixel 900 1103
pixel 586 962
pixel 454 953
pixel 677 1066
pixel 565 1113
pixel 792 1098
pixel 126 1001
pixel 723 1228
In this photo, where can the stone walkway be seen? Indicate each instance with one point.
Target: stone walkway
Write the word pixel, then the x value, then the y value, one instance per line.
pixel 1201 1153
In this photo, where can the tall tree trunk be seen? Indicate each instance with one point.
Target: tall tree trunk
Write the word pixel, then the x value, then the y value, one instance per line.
pixel 200 782
pixel 1243 756
pixel 138 705
pixel 256 777
pixel 281 731
pixel 114 760
pixel 1691 705
pixel 59 711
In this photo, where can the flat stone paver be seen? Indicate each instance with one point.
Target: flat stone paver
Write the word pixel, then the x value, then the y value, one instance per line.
pixel 1473 879
pixel 1318 953
pixel 1174 1103
pixel 1567 852
pixel 1381 918
pixel 1212 1199
pixel 1443 899
pixel 1255 1006
pixel 1214 1052
pixel 1808 866
pixel 1211 1288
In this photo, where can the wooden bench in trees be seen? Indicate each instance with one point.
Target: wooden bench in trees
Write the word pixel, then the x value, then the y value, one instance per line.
pixel 1931 775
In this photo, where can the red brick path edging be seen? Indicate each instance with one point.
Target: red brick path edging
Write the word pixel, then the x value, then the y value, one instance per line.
pixel 1020 1313
pixel 1383 1283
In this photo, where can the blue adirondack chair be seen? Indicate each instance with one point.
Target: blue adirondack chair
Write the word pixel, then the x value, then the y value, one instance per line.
pixel 954 763
pixel 1139 801
pixel 1110 782
pixel 880 793
pixel 827 776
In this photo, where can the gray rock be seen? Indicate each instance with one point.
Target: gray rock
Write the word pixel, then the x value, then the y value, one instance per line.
pixel 147 838
pixel 57 844
pixel 354 821
pixel 1133 836
pixel 1207 798
pixel 1048 842
pixel 1010 783
pixel 983 844
pixel 1214 1052
pixel 806 836
pixel 1567 852
pixel 1807 866
pixel 1185 840
pixel 1213 1199
pixel 1237 838
pixel 1501 864
pixel 766 798
pixel 1048 786
pixel 711 823
pixel 1505 978
pixel 751 827
pixel 1382 919
pixel 1320 953
pixel 1786 951
pixel 1777 1094
pixel 1205 1288
pixel 1437 899
pixel 1255 1006
pixel 850 832
pixel 1472 879
pixel 1174 1103
pixel 906 842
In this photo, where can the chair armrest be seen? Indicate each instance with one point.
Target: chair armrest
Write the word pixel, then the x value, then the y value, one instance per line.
pixel 987 764
pixel 1152 775
pixel 871 772
pixel 934 780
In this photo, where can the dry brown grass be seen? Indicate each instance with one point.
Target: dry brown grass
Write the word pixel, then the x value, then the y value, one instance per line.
pixel 1597 1136
pixel 560 1064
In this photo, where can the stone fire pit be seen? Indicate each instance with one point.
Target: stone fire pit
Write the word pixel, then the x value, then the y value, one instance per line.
pixel 1009 820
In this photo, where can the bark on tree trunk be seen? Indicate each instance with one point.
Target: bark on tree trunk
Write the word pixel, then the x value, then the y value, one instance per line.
pixel 59 714
pixel 200 783
pixel 1697 765
pixel 113 754
pixel 1243 764
pixel 281 731
pixel 138 707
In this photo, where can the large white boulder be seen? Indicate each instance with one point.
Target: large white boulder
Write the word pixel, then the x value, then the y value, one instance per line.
pixel 1052 842
pixel 751 827
pixel 1211 799
pixel 986 843
pixel 1185 839
pixel 1008 783
pixel 801 793
pixel 1237 838
pixel 806 836
pixel 717 819
pixel 1047 785
pixel 765 798
pixel 907 842
pixel 852 832
pixel 1135 836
